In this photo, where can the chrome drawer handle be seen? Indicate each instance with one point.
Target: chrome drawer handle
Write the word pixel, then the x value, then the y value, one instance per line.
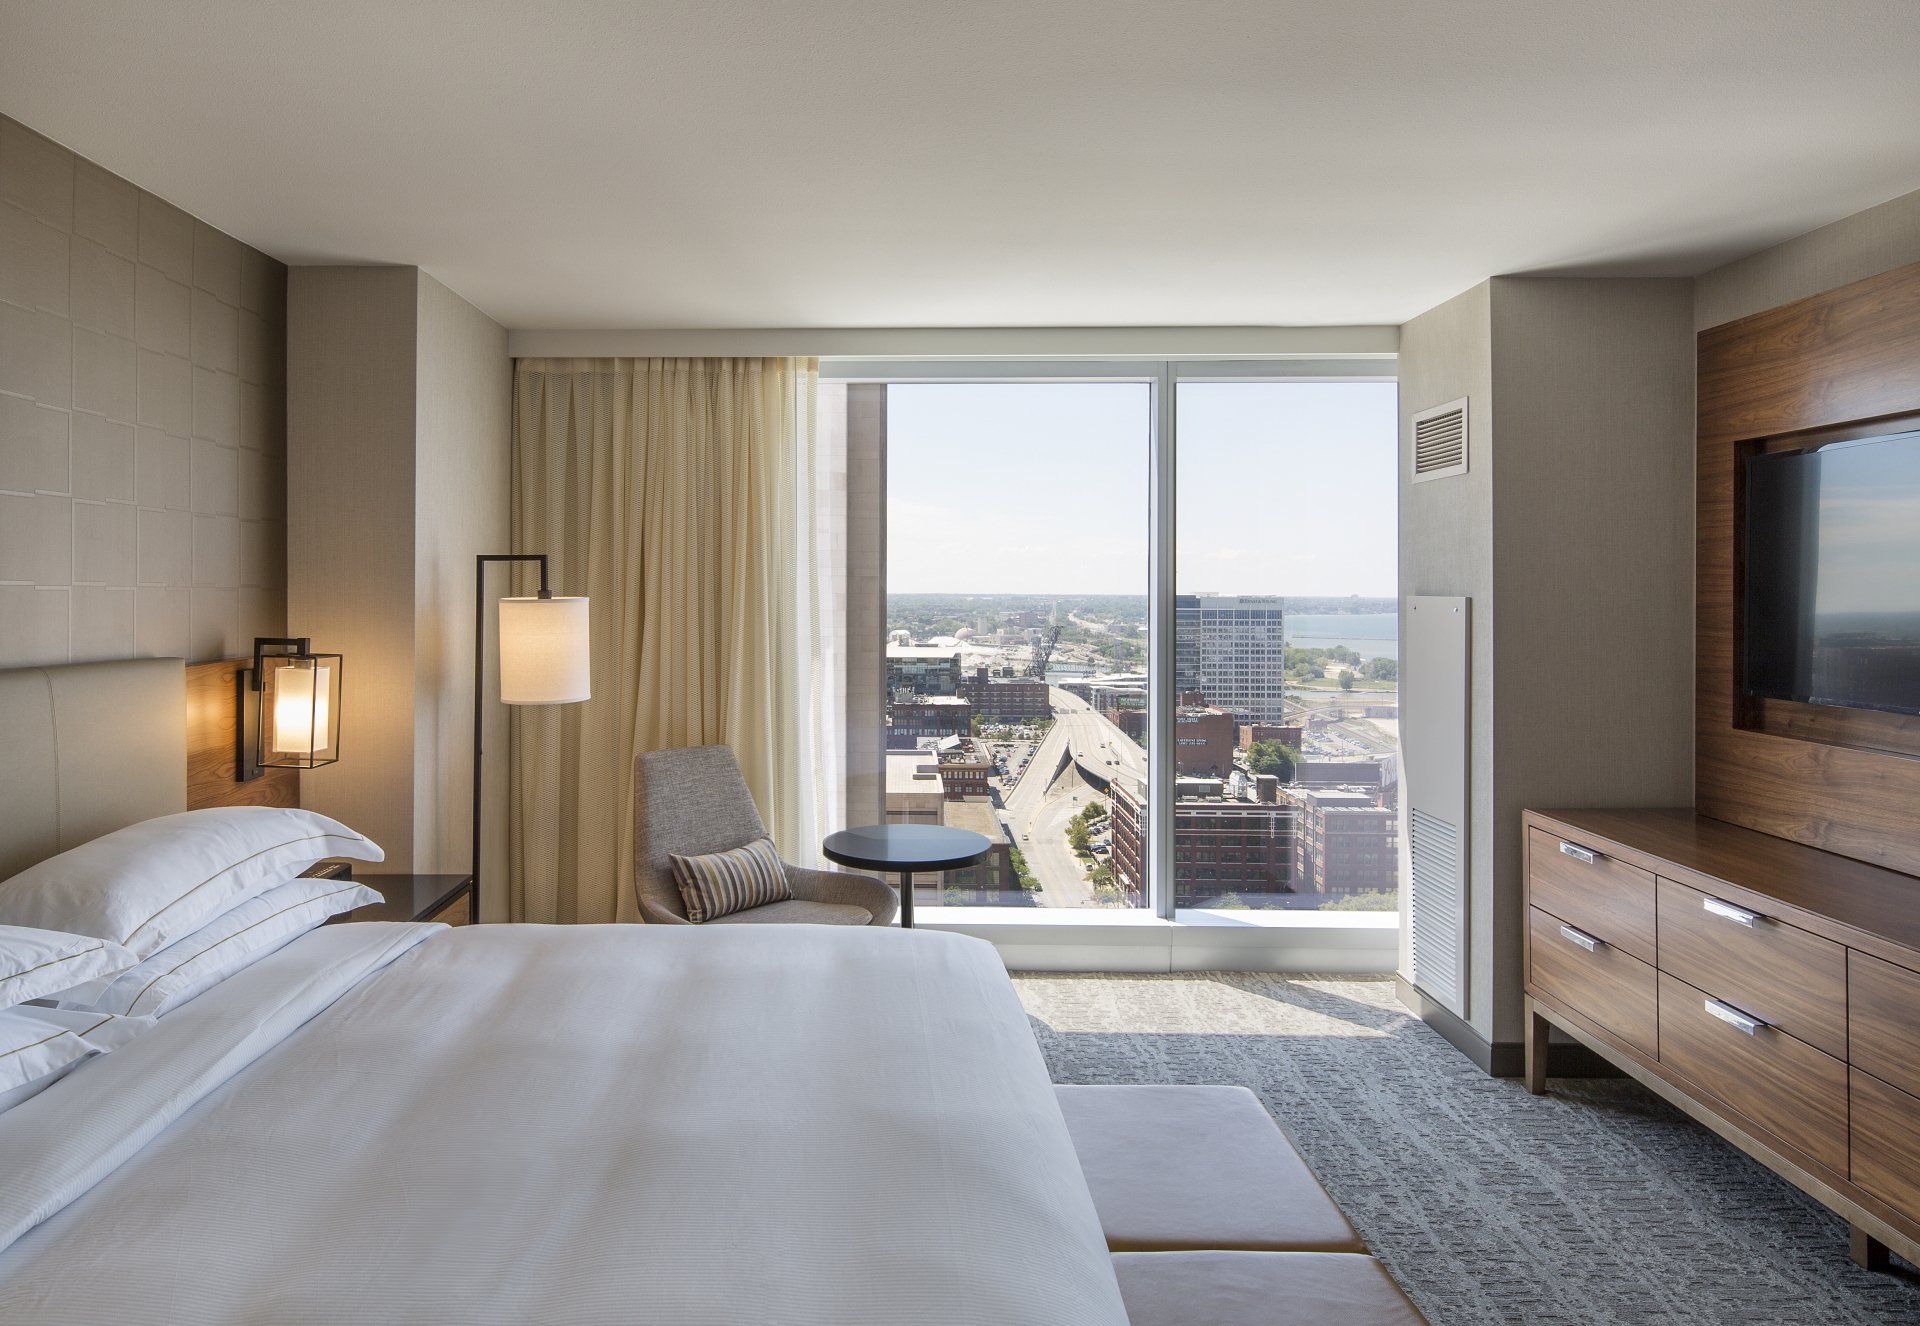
pixel 1579 853
pixel 1737 914
pixel 1734 1018
pixel 1582 938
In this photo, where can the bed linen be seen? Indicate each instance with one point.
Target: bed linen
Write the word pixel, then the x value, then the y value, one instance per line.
pixel 510 1124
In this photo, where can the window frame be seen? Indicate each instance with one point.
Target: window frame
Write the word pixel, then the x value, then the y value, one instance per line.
pixel 1162 377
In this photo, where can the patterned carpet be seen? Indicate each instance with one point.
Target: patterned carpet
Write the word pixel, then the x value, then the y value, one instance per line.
pixel 1597 1204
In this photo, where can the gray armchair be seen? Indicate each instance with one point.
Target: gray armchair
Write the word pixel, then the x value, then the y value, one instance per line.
pixel 694 801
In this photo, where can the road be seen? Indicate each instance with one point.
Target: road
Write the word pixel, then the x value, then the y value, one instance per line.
pixel 1038 811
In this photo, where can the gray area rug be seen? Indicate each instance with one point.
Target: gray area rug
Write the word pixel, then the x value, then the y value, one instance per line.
pixel 1595 1204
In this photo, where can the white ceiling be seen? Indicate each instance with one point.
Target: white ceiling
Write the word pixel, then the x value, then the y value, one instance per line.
pixel 839 163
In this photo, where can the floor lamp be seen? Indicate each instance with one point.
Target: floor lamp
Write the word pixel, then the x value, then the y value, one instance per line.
pixel 543 660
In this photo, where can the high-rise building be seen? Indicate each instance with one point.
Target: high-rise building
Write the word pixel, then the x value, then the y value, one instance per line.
pixel 1232 649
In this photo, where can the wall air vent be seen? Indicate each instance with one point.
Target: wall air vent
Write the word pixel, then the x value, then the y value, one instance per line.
pixel 1436 653
pixel 1440 441
pixel 1437 911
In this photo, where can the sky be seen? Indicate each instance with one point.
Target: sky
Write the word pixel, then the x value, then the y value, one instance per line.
pixel 1041 488
pixel 1868 494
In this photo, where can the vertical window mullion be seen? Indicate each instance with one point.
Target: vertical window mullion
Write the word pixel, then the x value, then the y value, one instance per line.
pixel 1161 506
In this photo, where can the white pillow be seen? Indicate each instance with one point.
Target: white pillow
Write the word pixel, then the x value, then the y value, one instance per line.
pixel 36 963
pixel 38 1046
pixel 151 883
pixel 216 951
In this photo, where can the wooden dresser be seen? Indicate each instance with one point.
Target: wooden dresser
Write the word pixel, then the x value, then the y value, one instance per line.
pixel 1769 989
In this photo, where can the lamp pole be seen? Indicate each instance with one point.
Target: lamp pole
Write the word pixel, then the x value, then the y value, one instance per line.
pixel 479 678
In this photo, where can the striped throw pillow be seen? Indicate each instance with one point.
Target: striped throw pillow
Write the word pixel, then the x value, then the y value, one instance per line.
pixel 728 882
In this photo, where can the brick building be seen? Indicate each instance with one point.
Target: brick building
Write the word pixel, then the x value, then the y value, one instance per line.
pixel 913 721
pixel 1007 699
pixel 1203 741
pixel 1225 847
pixel 1344 841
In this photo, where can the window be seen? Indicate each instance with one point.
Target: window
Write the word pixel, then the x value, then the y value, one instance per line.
pixel 1287 619
pixel 1041 614
pixel 1016 647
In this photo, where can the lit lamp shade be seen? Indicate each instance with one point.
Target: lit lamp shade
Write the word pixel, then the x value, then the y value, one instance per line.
pixel 300 711
pixel 543 651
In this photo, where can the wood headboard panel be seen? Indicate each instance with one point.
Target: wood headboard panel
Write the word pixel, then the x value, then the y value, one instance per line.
pixel 211 748
pixel 1849 355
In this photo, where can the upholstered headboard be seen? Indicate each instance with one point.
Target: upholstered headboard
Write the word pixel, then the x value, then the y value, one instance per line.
pixel 86 749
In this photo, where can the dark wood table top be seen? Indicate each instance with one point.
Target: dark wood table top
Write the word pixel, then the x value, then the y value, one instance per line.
pixel 408 897
pixel 906 847
pixel 1852 902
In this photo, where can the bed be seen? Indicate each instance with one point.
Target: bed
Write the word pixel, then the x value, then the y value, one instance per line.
pixel 399 1122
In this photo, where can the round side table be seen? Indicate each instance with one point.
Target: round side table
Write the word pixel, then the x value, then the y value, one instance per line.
pixel 907 849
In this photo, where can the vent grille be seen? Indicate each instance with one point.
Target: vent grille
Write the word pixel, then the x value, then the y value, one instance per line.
pixel 1437 910
pixel 1440 441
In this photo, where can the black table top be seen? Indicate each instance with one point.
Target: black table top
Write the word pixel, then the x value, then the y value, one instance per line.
pixel 908 847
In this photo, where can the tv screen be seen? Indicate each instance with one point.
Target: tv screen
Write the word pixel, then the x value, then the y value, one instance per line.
pixel 1832 597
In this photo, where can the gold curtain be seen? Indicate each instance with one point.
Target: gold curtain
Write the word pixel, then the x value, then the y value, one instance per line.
pixel 671 492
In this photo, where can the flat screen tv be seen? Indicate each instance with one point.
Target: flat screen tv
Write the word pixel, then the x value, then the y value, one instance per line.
pixel 1831 544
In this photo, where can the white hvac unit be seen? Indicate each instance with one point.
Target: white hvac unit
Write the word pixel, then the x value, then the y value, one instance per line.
pixel 1435 741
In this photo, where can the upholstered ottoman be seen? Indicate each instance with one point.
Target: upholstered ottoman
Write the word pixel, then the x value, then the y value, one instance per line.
pixel 1179 1168
pixel 1260 1289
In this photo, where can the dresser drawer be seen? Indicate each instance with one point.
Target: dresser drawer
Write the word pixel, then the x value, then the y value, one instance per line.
pixel 1886 1143
pixel 1779 973
pixel 1884 1035
pixel 1586 888
pixel 1613 988
pixel 1783 1085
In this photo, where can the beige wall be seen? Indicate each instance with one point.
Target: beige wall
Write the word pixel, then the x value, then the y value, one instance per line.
pixel 1572 532
pixel 142 434
pixel 398 442
pixel 462 440
pixel 1593 565
pixel 351 469
pixel 1850 249
pixel 1446 547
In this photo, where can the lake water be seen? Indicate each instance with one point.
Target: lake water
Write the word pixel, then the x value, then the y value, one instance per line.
pixel 1368 634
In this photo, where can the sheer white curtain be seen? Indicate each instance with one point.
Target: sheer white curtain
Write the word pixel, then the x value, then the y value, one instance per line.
pixel 691 500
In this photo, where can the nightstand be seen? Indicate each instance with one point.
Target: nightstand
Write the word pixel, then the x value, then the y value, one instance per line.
pixel 446 898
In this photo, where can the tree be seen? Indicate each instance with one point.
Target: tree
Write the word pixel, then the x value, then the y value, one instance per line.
pixel 1272 757
pixel 1366 900
pixel 1381 669
pixel 1079 837
pixel 1346 681
pixel 1023 875
pixel 979 724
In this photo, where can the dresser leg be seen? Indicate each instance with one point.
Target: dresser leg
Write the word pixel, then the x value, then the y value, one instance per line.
pixel 1537 1030
pixel 1867 1251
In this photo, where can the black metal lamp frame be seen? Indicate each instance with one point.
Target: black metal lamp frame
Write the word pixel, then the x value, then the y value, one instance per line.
pixel 479 674
pixel 248 699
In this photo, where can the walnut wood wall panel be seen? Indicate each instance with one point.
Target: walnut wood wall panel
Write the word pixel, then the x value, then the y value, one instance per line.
pixel 1851 354
pixel 212 744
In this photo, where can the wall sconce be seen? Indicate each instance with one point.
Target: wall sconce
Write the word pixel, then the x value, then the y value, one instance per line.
pixel 289 708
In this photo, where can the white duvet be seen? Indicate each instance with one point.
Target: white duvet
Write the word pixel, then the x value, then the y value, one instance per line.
pixel 516 1124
